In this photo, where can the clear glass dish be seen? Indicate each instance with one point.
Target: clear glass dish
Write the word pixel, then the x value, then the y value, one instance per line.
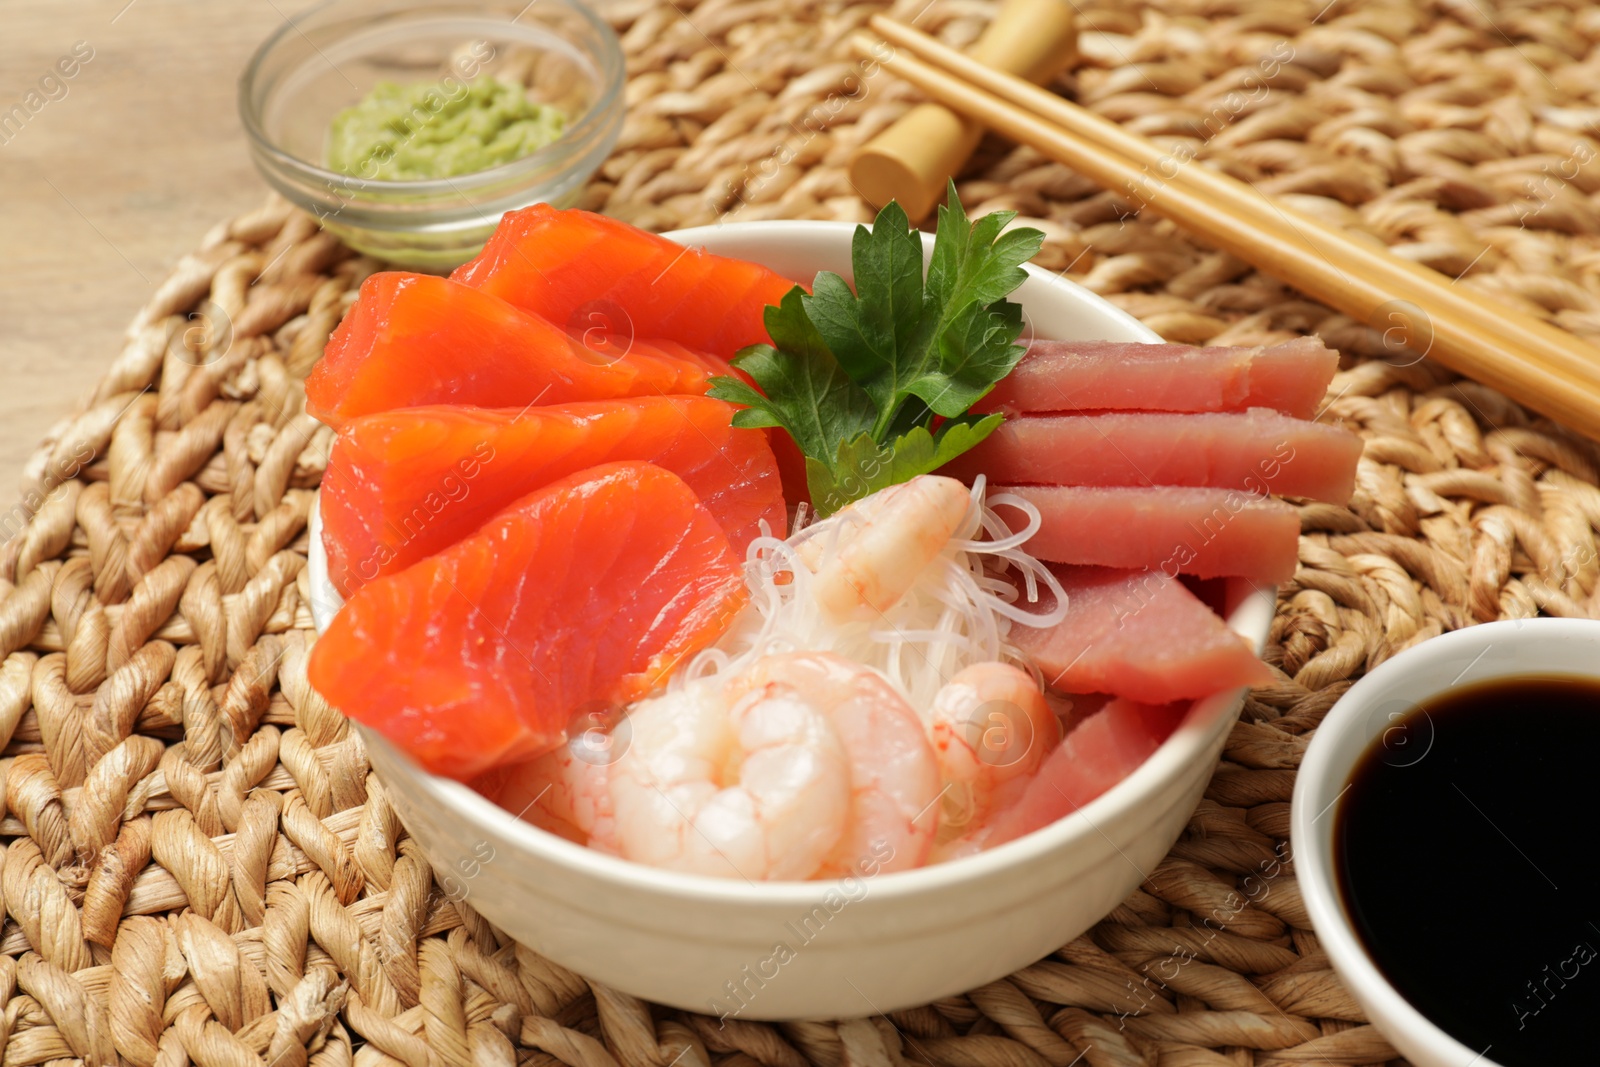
pixel 331 56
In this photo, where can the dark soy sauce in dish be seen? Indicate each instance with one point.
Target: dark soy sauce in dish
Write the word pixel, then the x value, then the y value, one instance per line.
pixel 1465 850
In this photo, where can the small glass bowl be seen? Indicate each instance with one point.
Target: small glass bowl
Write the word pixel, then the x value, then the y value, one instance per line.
pixel 331 56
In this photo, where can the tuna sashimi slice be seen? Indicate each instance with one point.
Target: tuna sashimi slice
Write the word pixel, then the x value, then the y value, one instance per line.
pixel 413 339
pixel 1137 634
pixel 1260 451
pixel 581 595
pixel 579 269
pixel 1124 376
pixel 1101 751
pixel 401 485
pixel 1292 377
pixel 1209 533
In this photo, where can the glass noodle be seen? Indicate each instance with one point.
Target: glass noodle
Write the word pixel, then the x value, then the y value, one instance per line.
pixel 960 610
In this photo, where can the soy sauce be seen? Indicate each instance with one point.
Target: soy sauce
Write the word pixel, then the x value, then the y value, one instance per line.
pixel 1466 849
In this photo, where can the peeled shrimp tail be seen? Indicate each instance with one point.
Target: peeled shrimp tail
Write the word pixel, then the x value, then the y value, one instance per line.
pixel 1102 750
pixel 883 545
pixel 990 726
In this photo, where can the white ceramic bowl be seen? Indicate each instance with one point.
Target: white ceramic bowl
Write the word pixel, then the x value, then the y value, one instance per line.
pixel 1476 654
pixel 848 948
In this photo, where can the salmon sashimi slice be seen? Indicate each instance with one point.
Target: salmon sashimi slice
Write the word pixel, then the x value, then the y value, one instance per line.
pixel 1209 533
pixel 413 339
pixel 1290 377
pixel 1260 451
pixel 1137 634
pixel 1101 751
pixel 578 270
pixel 581 595
pixel 402 485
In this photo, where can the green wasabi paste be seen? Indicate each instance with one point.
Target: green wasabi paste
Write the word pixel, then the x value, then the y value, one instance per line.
pixel 438 130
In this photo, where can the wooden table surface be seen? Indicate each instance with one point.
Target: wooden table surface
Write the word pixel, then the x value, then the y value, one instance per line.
pixel 102 188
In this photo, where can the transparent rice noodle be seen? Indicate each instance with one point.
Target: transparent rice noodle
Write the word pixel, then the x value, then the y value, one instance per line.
pixel 960 611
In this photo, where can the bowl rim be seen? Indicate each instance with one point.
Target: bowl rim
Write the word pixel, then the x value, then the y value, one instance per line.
pixel 1312 847
pixel 778 229
pixel 1187 743
pixel 609 63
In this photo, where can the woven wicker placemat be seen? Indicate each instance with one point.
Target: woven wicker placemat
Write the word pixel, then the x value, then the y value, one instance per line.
pixel 200 867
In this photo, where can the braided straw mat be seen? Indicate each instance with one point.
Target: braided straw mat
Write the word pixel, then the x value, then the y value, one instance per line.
pixel 199 865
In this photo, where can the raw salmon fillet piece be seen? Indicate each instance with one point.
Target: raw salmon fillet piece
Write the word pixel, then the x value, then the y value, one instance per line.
pixel 1137 634
pixel 1209 533
pixel 588 590
pixel 401 485
pixel 1260 451
pixel 413 339
pixel 1101 751
pixel 1290 377
pixel 582 270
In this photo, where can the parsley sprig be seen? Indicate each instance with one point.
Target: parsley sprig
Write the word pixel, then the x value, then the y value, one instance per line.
pixel 875 385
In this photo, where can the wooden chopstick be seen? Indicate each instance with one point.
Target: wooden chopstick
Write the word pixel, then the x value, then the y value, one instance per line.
pixel 1089 126
pixel 1246 200
pixel 1531 361
pixel 1249 204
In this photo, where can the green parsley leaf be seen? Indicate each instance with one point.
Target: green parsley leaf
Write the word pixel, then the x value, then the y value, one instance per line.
pixel 875 384
pixel 807 393
pixel 881 332
pixel 978 264
pixel 976 350
pixel 864 466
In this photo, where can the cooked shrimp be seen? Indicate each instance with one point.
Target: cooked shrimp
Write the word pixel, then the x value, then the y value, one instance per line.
pixel 564 792
pixel 1105 746
pixel 760 790
pixel 894 779
pixel 883 545
pixel 990 725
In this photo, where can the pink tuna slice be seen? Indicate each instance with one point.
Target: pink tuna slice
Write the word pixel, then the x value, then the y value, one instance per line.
pixel 1125 376
pixel 1137 634
pixel 1259 450
pixel 1209 533
pixel 1103 750
pixel 1292 377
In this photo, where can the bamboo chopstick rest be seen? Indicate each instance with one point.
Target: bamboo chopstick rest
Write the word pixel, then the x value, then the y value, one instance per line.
pixel 912 159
